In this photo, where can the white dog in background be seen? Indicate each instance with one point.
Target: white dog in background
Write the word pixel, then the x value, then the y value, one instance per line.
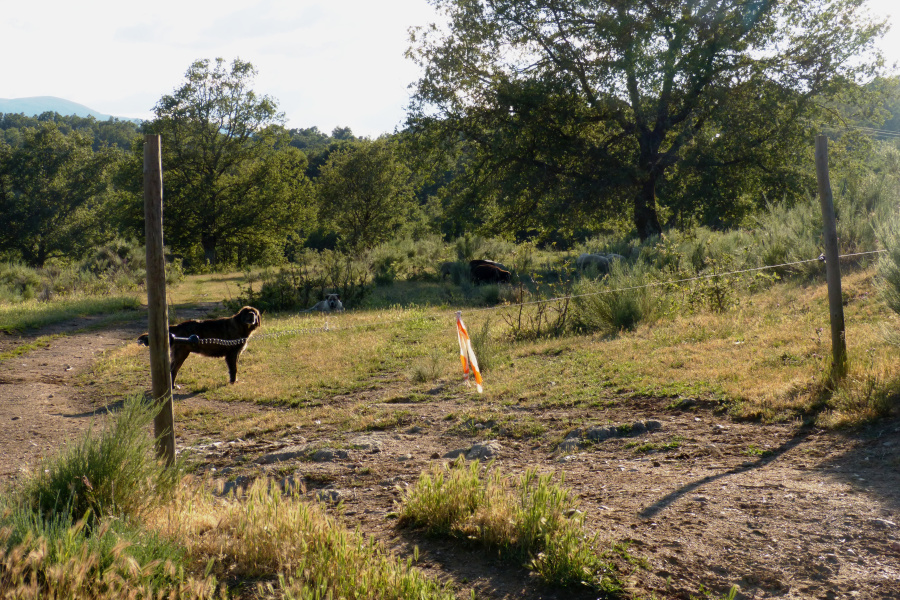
pixel 331 303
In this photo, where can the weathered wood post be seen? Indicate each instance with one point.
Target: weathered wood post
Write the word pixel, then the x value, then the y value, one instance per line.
pixel 832 264
pixel 158 315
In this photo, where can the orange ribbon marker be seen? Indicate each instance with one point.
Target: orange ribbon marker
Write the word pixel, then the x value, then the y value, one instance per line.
pixel 467 354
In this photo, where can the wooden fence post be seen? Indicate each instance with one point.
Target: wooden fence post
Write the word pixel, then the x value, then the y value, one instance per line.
pixel 158 312
pixel 832 263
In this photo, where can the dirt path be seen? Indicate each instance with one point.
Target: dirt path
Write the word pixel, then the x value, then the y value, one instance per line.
pixel 41 404
pixel 700 502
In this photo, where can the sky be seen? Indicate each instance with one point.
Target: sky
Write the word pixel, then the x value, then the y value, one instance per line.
pixel 328 63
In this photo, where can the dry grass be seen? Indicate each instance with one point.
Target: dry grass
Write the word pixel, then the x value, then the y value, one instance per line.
pixel 767 358
pixel 291 547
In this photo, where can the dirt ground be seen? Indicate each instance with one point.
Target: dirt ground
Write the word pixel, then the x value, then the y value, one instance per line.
pixel 778 510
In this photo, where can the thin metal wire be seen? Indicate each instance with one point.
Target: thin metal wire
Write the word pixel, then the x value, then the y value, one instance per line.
pixel 330 327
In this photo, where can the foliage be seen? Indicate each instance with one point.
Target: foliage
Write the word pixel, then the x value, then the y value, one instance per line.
pixel 50 189
pixel 234 187
pixel 269 533
pixel 541 309
pixel 568 113
pixel 529 519
pixel 56 559
pixel 365 194
pixel 889 271
pixel 116 133
pixel 79 519
pixel 113 474
pixel 626 298
pixel 303 283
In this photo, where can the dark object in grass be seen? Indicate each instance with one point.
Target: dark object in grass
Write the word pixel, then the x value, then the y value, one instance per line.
pixel 224 337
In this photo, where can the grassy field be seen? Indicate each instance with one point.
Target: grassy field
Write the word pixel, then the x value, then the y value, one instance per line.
pixel 764 358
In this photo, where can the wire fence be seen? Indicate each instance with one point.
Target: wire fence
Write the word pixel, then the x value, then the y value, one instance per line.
pixel 331 327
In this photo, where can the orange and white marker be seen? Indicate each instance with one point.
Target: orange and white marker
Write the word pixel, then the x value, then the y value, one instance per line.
pixel 467 354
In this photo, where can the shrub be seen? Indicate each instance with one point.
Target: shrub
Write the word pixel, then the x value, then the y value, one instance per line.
pixel 302 284
pixel 114 473
pixel 627 297
pixel 529 519
pixel 889 271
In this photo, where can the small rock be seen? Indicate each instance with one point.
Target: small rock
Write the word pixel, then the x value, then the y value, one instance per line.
pixel 368 442
pixel 435 455
pixel 289 453
pixel 638 427
pixel 652 425
pixel 568 446
pixel 236 485
pixel 404 457
pixel 598 434
pixel 415 429
pixel 576 433
pixel 456 453
pixel 330 496
pixel 328 455
pixel 16 418
pixel 485 450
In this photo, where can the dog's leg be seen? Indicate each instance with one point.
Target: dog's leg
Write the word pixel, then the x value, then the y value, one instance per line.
pixel 231 359
pixel 180 352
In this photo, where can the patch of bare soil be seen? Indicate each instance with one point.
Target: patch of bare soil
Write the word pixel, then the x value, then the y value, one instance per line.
pixel 701 502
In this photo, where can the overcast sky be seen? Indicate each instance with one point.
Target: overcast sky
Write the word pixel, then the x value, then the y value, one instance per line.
pixel 328 63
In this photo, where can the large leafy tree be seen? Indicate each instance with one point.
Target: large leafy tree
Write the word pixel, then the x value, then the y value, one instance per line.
pixel 233 186
pixel 581 110
pixel 50 188
pixel 365 193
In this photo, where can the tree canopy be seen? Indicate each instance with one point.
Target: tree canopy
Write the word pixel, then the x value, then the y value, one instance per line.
pixel 234 187
pixel 364 193
pixel 586 110
pixel 51 186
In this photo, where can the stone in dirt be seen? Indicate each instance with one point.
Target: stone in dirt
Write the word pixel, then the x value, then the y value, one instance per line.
pixel 288 453
pixel 328 455
pixel 368 442
pixel 485 450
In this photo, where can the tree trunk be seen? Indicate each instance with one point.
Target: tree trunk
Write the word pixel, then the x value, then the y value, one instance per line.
pixel 209 249
pixel 646 221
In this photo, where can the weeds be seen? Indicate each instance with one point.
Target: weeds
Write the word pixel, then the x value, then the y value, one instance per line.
pixel 113 474
pixel 529 520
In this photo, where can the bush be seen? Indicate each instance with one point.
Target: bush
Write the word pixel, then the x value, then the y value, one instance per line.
pixel 889 272
pixel 114 473
pixel 621 301
pixel 528 519
pixel 301 285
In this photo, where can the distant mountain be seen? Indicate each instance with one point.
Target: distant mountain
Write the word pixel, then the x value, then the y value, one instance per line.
pixel 32 107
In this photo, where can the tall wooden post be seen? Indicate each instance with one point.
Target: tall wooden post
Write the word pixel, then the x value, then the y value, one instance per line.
pixel 158 314
pixel 832 263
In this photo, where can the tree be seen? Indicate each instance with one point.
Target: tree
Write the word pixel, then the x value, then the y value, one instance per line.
pixel 364 193
pixel 587 109
pixel 50 186
pixel 234 187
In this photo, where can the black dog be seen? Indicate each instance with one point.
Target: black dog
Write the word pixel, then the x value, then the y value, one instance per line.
pixel 189 337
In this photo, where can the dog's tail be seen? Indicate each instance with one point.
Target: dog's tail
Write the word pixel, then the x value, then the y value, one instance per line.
pixel 144 340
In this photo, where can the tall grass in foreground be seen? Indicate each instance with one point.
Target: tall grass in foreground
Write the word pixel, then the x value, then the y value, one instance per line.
pixel 74 528
pixel 528 519
pixel 113 474
pixel 295 545
pixel 105 520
